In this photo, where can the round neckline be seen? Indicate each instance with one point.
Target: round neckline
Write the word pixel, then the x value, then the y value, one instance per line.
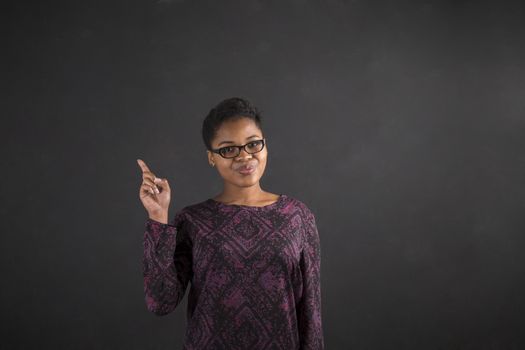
pixel 268 206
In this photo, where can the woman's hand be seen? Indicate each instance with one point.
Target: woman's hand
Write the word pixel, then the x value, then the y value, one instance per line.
pixel 155 194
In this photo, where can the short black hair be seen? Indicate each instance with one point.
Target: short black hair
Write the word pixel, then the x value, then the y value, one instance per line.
pixel 229 109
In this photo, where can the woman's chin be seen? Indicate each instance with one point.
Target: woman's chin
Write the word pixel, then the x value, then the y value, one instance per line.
pixel 246 181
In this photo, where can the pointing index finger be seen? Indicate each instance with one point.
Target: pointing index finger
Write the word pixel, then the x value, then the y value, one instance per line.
pixel 143 165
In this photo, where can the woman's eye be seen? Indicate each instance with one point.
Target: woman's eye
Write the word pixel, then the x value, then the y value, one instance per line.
pixel 228 150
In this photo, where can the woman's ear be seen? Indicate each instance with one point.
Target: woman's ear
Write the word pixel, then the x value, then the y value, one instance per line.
pixel 210 158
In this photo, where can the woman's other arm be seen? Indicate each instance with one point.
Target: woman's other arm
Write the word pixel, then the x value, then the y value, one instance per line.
pixel 167 264
pixel 309 308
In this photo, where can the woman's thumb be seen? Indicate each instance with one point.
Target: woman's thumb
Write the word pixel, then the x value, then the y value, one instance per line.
pixel 161 182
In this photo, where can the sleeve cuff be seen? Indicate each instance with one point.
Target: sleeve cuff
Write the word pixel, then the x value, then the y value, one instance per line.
pixel 158 223
pixel 157 229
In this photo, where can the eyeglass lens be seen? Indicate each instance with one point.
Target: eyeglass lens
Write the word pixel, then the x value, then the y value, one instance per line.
pixel 252 147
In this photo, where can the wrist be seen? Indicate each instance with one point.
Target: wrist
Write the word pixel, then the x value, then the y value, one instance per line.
pixel 160 217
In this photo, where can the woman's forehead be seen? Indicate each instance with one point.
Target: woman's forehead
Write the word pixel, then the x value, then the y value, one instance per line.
pixel 237 129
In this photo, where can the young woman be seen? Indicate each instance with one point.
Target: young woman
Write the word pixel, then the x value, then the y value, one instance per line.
pixel 252 257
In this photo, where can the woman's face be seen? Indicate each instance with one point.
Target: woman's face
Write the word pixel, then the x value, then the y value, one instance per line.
pixel 237 133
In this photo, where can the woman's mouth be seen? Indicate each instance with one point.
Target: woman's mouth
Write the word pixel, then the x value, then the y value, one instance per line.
pixel 246 170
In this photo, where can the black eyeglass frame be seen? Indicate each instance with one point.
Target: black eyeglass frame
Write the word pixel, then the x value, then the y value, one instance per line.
pixel 218 150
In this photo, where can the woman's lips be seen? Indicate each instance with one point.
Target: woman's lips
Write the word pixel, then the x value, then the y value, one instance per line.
pixel 246 170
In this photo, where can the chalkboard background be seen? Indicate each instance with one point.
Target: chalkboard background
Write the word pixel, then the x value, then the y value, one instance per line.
pixel 401 124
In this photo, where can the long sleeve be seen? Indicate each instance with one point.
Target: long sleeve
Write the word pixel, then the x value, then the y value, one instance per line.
pixel 309 308
pixel 167 264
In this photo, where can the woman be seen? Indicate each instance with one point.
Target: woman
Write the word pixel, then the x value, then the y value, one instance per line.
pixel 253 257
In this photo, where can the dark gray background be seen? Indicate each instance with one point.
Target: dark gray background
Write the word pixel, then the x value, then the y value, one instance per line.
pixel 401 125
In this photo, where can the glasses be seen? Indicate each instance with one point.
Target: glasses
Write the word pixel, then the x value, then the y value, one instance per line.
pixel 233 151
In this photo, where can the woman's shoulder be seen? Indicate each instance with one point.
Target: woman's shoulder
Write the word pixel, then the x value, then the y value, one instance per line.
pixel 300 205
pixel 195 208
pixel 193 212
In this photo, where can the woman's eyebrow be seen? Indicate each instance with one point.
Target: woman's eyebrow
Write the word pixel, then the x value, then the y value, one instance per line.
pixel 249 137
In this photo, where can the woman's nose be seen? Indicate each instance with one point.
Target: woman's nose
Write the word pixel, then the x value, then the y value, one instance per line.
pixel 243 154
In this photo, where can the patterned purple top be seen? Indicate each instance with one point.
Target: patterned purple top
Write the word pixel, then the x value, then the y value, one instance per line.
pixel 254 273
